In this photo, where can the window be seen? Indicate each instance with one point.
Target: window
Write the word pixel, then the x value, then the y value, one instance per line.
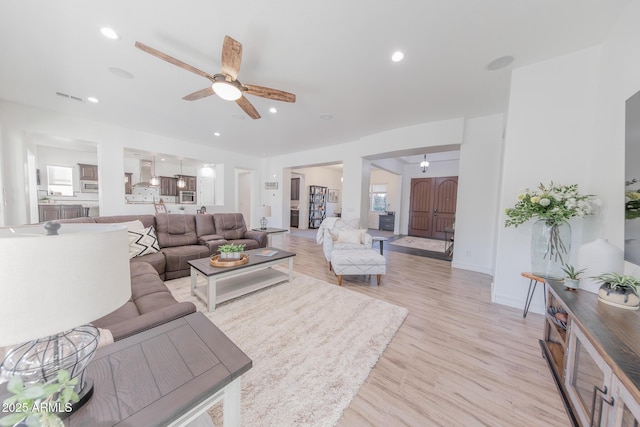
pixel 59 181
pixel 378 197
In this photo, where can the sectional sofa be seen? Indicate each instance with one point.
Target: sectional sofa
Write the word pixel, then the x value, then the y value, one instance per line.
pixel 160 247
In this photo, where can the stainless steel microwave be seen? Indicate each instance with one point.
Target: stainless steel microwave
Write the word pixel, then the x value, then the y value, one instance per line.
pixel 187 197
pixel 88 186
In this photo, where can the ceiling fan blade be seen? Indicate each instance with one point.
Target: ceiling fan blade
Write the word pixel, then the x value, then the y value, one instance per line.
pixel 172 60
pixel 265 92
pixel 202 93
pixel 231 57
pixel 248 107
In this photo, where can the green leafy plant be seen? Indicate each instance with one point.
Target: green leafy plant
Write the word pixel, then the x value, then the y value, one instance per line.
pixel 230 247
pixel 632 201
pixel 617 281
pixel 553 203
pixel 37 404
pixel 571 272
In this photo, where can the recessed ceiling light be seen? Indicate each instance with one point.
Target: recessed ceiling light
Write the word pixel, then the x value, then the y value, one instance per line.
pixel 120 72
pixel 216 133
pixel 273 110
pixel 93 99
pixel 163 160
pixel 397 56
pixel 109 33
pixel 499 63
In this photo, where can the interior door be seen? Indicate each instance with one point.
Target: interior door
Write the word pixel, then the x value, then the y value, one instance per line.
pixel 433 206
pixel 421 207
pixel 445 194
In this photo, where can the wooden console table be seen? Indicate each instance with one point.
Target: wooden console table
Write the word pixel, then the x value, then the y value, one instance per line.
pixel 593 356
pixel 165 376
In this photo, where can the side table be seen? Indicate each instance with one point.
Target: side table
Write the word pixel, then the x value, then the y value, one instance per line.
pixel 270 231
pixel 166 376
pixel 381 241
pixel 533 282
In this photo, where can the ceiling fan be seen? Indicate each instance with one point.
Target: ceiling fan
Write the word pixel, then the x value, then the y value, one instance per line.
pixel 225 84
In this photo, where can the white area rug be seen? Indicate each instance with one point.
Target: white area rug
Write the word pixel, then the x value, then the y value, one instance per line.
pixel 420 243
pixel 312 343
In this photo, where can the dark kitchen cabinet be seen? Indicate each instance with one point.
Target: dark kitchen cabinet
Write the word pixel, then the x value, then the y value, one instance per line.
pixel 168 186
pixel 88 172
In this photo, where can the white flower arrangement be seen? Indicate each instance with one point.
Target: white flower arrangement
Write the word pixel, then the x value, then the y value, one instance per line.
pixel 553 203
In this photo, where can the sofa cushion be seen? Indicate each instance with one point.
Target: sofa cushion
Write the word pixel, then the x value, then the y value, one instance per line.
pixel 151 304
pixel 177 259
pixel 126 312
pixel 205 225
pixel 231 226
pixel 142 242
pixel 248 243
pixel 176 230
pixel 157 261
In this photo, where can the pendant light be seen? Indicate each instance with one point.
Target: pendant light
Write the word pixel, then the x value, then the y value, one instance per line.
pixel 154 179
pixel 424 165
pixel 181 182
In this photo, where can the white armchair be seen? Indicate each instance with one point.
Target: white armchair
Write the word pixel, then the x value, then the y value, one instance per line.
pixel 340 234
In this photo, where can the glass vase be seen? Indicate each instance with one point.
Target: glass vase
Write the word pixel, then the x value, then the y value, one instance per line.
pixel 550 248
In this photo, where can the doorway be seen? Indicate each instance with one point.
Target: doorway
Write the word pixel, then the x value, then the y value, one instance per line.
pixel 432 206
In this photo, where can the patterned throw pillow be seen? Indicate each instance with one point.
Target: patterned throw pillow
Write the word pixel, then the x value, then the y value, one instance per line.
pixel 143 242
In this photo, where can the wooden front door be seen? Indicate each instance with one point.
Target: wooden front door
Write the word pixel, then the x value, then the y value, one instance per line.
pixel 432 206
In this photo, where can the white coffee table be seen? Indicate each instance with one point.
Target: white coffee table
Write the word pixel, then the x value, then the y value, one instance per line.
pixel 225 283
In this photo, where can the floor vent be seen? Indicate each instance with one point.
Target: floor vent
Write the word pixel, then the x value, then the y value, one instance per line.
pixel 70 97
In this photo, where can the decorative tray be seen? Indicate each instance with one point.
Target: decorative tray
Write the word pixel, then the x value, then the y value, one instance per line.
pixel 553 311
pixel 216 261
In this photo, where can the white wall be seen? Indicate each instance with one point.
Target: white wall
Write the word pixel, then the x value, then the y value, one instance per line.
pixel 551 135
pixel 18 120
pixel 436 134
pixel 478 207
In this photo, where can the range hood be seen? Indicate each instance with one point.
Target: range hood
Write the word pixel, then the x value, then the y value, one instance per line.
pixel 145 174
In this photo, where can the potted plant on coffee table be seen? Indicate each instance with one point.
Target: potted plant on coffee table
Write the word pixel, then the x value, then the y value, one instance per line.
pixel 230 251
pixel 572 280
pixel 619 290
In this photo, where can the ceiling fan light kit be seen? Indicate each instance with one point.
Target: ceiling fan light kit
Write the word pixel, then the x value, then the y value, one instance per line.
pixel 229 91
pixel 225 84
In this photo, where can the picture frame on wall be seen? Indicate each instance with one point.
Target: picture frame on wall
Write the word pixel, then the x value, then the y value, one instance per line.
pixel 271 185
pixel 333 196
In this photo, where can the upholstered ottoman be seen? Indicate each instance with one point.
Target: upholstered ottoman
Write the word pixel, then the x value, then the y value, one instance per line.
pixel 358 261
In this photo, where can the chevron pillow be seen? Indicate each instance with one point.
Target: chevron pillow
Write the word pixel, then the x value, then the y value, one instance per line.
pixel 143 242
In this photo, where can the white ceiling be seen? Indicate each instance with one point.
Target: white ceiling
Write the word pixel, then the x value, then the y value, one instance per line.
pixel 333 54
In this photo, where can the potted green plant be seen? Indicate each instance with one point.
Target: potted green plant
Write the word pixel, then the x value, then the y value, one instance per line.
pixel 230 251
pixel 572 280
pixel 619 290
pixel 38 404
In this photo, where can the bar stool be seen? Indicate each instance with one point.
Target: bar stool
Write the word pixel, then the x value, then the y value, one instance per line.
pixel 533 281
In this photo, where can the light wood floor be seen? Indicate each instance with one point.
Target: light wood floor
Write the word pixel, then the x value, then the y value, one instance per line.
pixel 458 359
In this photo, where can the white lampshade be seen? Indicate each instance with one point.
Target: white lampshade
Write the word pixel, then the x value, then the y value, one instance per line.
pixel 51 284
pixel 265 210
